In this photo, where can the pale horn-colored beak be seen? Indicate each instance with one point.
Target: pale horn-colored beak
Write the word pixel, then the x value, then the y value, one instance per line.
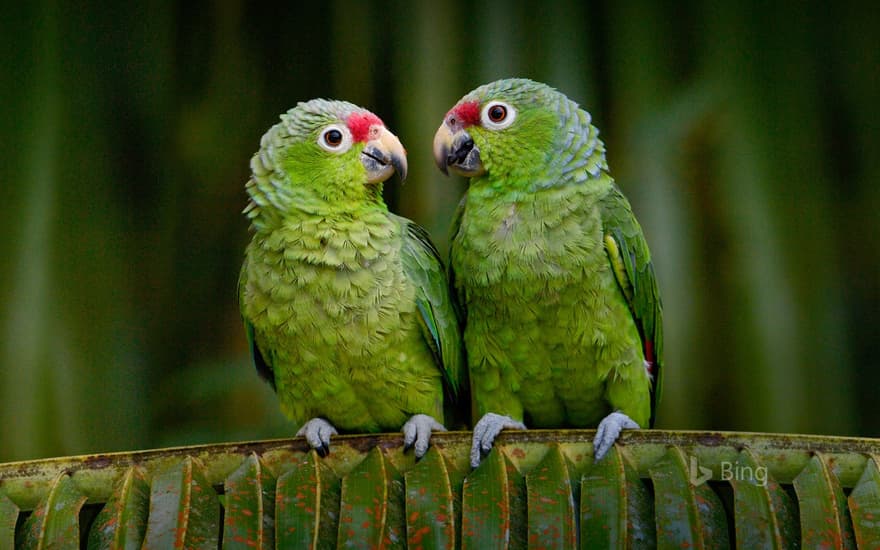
pixel 442 145
pixel 458 152
pixel 382 156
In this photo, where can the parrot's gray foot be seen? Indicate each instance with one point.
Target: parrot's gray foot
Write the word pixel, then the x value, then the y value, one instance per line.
pixel 417 433
pixel 317 432
pixel 485 432
pixel 609 430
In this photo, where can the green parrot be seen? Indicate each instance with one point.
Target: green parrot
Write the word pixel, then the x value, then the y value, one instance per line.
pixel 560 306
pixel 346 306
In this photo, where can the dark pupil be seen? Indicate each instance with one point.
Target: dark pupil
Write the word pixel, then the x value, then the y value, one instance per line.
pixel 497 113
pixel 333 137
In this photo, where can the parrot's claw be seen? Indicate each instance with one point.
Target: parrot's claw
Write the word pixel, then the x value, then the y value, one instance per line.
pixel 417 433
pixel 317 432
pixel 485 432
pixel 609 430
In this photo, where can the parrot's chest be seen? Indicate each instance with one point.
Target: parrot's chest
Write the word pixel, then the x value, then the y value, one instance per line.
pixel 546 320
pixel 528 251
pixel 313 304
pixel 536 278
pixel 340 330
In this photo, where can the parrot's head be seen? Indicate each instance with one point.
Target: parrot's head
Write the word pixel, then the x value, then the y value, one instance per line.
pixel 323 153
pixel 513 130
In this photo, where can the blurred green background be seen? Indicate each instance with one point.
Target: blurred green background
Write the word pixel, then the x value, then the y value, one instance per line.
pixel 746 135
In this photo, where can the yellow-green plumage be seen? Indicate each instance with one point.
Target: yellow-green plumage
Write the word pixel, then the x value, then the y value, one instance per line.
pixel 546 322
pixel 346 304
pixel 561 310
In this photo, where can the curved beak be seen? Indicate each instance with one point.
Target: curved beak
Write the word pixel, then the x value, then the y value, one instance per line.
pixel 457 151
pixel 382 156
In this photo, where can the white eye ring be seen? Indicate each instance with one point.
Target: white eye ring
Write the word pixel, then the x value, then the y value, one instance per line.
pixel 335 138
pixel 490 115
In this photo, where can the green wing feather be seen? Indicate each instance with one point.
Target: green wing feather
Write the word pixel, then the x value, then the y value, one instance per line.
pixel 458 294
pixel 439 318
pixel 263 366
pixel 631 262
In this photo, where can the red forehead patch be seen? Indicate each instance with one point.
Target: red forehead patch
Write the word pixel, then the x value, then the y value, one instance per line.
pixel 360 123
pixel 465 114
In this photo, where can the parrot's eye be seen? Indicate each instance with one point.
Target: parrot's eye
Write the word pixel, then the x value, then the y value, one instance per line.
pixel 335 139
pixel 498 115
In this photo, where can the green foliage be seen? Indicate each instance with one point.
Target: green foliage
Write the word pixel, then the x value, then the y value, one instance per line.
pixel 537 488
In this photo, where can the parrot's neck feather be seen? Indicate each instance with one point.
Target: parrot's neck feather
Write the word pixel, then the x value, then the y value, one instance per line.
pixel 274 204
pixel 579 155
pixel 346 240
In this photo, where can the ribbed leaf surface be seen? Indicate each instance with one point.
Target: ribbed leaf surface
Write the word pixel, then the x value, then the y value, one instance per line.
pixel 490 515
pixel 616 509
pixel 371 510
pixel 249 521
pixel 864 504
pixel 306 504
pixel 123 520
pixel 536 489
pixel 688 515
pixel 764 515
pixel 55 522
pixel 824 516
pixel 551 512
pixel 184 509
pixel 430 508
pixel 8 517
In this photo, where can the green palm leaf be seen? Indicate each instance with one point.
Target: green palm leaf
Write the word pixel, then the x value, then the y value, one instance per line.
pixel 538 488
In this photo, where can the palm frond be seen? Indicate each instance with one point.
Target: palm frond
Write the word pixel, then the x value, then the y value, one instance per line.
pixel 538 488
